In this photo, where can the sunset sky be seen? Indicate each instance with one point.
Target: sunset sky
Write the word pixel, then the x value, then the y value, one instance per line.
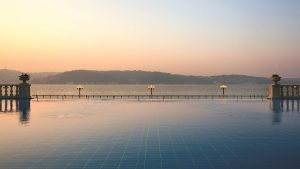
pixel 194 37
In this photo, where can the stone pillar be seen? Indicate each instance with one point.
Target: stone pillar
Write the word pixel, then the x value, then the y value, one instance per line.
pixel 24 90
pixel 274 91
pixel 24 87
pixel 275 88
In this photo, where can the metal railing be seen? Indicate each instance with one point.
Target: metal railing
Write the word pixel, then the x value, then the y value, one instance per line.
pixel 140 97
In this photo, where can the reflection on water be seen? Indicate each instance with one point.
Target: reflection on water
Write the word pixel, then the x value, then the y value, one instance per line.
pixel 279 106
pixel 22 106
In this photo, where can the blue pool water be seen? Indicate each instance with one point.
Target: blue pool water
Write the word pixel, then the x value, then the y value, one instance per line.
pixel 195 134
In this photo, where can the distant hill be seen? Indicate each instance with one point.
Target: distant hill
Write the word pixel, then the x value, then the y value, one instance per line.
pixel 143 77
pixel 12 76
pixel 9 76
pixel 131 77
pixel 290 81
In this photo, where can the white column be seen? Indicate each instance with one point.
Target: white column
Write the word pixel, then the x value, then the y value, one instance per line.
pixel 5 90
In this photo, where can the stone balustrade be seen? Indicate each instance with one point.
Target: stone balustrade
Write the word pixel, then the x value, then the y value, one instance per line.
pixel 290 90
pixel 279 91
pixel 9 90
pixel 15 91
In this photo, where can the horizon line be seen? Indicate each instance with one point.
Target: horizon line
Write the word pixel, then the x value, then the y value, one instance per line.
pixel 229 74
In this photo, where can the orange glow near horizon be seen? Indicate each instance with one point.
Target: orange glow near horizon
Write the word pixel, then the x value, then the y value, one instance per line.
pixel 174 37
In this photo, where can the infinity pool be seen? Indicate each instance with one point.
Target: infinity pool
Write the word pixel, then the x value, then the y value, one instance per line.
pixel 198 134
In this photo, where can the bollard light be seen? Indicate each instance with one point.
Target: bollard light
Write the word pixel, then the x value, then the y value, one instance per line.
pixel 151 88
pixel 79 88
pixel 223 88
